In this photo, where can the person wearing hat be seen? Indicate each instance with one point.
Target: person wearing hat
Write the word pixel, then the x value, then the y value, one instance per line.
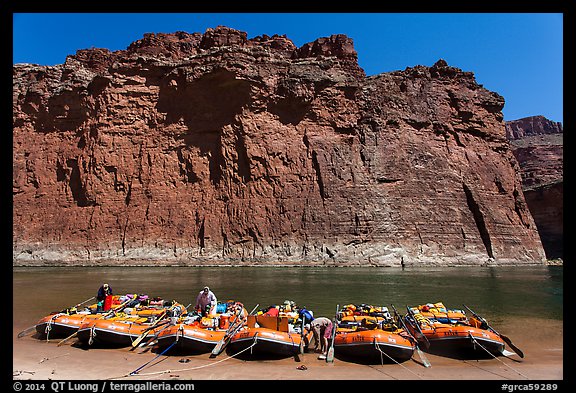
pixel 205 301
pixel 103 291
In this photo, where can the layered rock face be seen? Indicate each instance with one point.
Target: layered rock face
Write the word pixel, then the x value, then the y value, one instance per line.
pixel 537 144
pixel 196 149
pixel 532 126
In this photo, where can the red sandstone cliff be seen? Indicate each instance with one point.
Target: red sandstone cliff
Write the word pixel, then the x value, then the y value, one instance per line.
pixel 537 144
pixel 532 126
pixel 217 149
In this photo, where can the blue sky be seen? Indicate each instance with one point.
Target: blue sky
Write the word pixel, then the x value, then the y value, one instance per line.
pixel 518 55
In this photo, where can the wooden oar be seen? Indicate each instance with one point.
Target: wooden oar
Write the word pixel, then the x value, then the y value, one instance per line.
pixel 232 330
pixel 79 304
pixel 505 338
pixel 119 308
pixel 424 359
pixel 32 328
pixel 146 331
pixel 152 340
pixel 302 335
pixel 26 331
pixel 417 324
pixel 330 354
pixel 168 324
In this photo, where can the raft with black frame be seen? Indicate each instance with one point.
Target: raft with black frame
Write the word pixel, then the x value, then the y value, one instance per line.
pixel 367 333
pixel 276 332
pixel 122 329
pixel 453 335
pixel 196 334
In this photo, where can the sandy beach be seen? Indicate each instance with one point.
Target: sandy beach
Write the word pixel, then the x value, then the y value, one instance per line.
pixel 35 359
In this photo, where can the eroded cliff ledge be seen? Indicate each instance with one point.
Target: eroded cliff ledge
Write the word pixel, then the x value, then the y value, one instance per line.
pixel 197 149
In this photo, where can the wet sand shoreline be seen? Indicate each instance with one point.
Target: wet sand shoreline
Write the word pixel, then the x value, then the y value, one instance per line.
pixel 35 359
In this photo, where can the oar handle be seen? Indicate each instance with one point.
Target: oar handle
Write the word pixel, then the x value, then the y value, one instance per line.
pixel 505 338
pixel 254 309
pixel 87 300
pixel 481 319
pixel 79 304
pixel 116 309
pixel 402 324
pixel 238 323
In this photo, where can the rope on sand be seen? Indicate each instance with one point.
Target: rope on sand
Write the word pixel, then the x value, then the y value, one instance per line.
pixel 54 357
pixel 394 360
pixel 491 354
pixel 185 369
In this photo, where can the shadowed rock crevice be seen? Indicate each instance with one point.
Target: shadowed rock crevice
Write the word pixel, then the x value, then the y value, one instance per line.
pixel 201 235
pixel 204 104
pixel 479 220
pixel 318 172
pixel 293 101
pixel 243 161
pixel 77 186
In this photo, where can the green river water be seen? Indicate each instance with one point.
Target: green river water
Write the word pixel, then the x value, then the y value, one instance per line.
pixel 494 292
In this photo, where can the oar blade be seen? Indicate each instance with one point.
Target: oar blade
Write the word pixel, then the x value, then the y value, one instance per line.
pixel 217 349
pixel 26 331
pixel 512 346
pixel 505 338
pixel 139 339
pixel 227 336
pixel 424 359
pixel 230 332
pixel 330 353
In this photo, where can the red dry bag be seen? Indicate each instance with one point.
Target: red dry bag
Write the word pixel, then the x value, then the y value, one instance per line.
pixel 107 302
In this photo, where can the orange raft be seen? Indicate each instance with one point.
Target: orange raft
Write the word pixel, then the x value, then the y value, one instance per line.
pixel 196 334
pixel 60 325
pixel 67 322
pixel 451 333
pixel 276 333
pixel 368 333
pixel 123 328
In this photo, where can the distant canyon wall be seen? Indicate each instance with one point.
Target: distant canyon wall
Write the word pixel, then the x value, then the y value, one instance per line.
pixel 538 145
pixel 197 149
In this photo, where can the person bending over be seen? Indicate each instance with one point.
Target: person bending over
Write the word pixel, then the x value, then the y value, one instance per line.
pixel 205 301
